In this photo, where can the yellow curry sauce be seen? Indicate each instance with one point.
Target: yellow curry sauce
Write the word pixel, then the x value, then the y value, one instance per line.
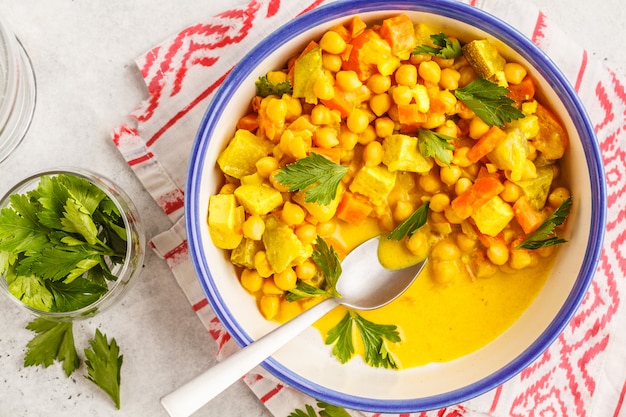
pixel 394 121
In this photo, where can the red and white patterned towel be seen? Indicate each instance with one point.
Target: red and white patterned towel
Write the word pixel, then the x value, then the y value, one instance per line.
pixel 582 374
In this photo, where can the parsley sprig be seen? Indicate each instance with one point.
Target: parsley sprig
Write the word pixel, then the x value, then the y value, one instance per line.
pixel 326 410
pixel 265 88
pixel 409 226
pixel 543 235
pixel 446 48
pixel 316 174
pixel 104 364
pixel 435 144
pixel 374 336
pixel 489 101
pixel 327 259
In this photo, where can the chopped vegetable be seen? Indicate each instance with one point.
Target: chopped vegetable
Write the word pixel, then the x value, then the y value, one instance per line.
pixel 479 193
pixel 483 57
pixel 542 236
pixel 527 217
pixel 486 144
pixel 489 101
pixel 401 153
pixel 308 68
pixel 316 175
pixel 398 31
pixel 104 364
pixel 552 139
pixel 353 208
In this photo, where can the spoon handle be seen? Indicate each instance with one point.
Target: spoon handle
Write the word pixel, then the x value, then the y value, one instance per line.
pixel 185 400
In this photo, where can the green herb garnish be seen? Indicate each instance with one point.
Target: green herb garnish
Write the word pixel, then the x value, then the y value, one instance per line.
pixel 374 336
pixel 104 364
pixel 316 174
pixel 435 144
pixel 489 101
pixel 265 88
pixel 411 224
pixel 446 48
pixel 541 237
pixel 326 410
pixel 58 241
pixel 54 341
pixel 327 259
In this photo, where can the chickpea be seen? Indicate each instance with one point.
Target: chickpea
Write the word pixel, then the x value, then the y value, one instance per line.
pixel 402 95
pixel 292 214
pixel 326 228
pixel 269 287
pixel 418 245
pixel 276 109
pixel 384 127
pixel 514 73
pixel 306 270
pixel 288 310
pixel 465 243
pixel 459 157
pixel 373 153
pixel 558 196
pixel 498 253
pixel 511 192
pixel 406 74
pixel 450 174
pixel 467 75
pixel 380 103
pixel 262 265
pixel 439 202
pixel 430 71
pixel 331 62
pixel 462 185
pixel 402 210
pixel 332 42
pixel 306 232
pixel 357 121
pixel 320 115
pixel 430 182
pixel 445 250
pixel 326 137
pixel 477 128
pixel 378 83
pixel 286 280
pixel 448 128
pixel 368 135
pixel 449 79
pixel 266 165
pixel 254 227
pixel 348 80
pixel 347 139
pixel 228 188
pixel 520 259
pixel 268 305
pixel 251 280
pixel 323 88
pixel 444 272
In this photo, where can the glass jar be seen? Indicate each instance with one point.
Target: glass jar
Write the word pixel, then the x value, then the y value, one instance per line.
pixel 125 271
pixel 18 92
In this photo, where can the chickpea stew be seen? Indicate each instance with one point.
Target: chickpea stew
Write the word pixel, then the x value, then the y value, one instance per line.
pixel 441 146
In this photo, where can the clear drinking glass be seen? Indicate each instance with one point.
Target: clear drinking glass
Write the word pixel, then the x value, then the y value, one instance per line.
pixel 18 92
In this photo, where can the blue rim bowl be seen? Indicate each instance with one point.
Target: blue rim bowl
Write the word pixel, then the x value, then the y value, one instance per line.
pixel 433 386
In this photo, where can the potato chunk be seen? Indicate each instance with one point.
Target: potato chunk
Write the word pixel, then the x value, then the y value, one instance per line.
pixel 491 218
pixel 240 156
pixel 225 221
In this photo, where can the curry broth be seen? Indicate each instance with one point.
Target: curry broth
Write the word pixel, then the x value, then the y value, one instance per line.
pixel 440 323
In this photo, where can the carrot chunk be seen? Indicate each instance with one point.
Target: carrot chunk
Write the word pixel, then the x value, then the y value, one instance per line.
pixel 479 193
pixel 527 217
pixel 486 143
pixel 353 208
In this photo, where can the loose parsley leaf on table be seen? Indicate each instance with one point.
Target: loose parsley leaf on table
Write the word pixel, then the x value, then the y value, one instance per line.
pixel 411 224
pixel 541 237
pixel 446 48
pixel 104 364
pixel 435 145
pixel 265 88
pixel 316 174
pixel 54 341
pixel 489 101
pixel 326 410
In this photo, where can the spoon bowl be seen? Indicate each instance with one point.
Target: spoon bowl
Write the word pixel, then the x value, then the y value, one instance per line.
pixel 365 284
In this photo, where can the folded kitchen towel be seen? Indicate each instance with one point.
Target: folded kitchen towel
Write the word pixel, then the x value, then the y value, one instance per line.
pixel 582 374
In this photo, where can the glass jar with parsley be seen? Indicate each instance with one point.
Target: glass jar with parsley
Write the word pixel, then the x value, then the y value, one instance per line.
pixel 71 242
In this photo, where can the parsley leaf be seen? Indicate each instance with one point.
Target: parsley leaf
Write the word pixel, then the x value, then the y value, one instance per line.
pixel 20 229
pixel 327 259
pixel 435 144
pixel 541 238
pixel 54 341
pixel 326 410
pixel 316 174
pixel 310 412
pixel 75 295
pixel 489 101
pixel 411 224
pixel 446 48
pixel 104 364
pixel 265 88
pixel 373 335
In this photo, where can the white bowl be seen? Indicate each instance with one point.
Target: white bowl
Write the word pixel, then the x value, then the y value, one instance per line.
pixel 306 363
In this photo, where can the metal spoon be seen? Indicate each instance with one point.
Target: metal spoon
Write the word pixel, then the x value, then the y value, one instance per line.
pixel 364 285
